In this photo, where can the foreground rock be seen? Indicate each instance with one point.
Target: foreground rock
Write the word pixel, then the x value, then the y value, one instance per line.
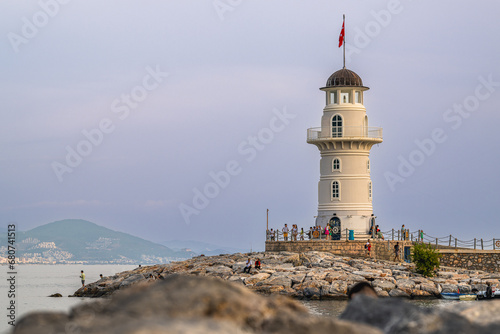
pixel 397 316
pixel 183 304
pixel 311 275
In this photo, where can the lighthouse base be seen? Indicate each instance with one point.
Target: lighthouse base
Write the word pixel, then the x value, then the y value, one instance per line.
pixel 359 223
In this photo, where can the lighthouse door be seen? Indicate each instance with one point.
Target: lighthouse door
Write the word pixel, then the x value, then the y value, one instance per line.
pixel 336 227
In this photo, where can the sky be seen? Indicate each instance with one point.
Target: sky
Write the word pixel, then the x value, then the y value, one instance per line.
pixel 187 119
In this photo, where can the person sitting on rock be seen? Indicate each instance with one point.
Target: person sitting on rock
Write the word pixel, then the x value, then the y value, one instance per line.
pixel 257 264
pixel 248 266
pixel 362 288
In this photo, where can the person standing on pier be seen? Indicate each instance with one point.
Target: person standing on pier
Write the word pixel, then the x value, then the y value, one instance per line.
pixel 368 248
pixel 285 232
pixel 396 252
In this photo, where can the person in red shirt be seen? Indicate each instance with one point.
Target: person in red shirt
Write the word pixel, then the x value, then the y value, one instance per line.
pixel 368 247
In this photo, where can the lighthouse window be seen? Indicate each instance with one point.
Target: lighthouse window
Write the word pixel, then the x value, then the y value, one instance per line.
pixel 333 97
pixel 335 189
pixel 337 126
pixel 345 97
pixel 370 190
pixel 336 164
pixel 357 96
pixel 368 164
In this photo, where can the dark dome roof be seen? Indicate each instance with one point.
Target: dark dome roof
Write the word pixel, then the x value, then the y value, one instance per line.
pixel 344 77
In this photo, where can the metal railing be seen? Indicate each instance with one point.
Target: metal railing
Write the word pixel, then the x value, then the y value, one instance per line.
pixel 446 242
pixel 277 235
pixel 449 241
pixel 344 132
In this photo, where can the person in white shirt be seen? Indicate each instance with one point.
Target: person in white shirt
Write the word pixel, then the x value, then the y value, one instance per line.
pixel 248 266
pixel 285 232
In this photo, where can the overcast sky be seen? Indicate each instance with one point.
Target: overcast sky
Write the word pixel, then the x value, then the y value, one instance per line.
pixel 123 112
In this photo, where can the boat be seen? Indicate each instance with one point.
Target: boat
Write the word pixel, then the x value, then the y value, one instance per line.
pixel 482 295
pixel 458 296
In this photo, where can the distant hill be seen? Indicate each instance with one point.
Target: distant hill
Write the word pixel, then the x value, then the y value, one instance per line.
pixel 201 247
pixel 75 240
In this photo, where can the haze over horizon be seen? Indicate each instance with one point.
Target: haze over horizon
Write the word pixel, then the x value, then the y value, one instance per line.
pixel 123 113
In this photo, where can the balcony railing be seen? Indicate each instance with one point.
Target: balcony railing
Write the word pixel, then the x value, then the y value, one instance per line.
pixel 344 132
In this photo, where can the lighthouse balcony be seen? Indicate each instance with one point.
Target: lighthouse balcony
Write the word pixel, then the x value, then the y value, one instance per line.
pixel 315 135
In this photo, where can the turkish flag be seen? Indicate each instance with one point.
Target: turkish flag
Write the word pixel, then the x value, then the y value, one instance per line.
pixel 342 34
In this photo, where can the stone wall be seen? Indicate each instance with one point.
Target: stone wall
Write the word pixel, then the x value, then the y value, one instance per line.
pixel 487 260
pixel 383 250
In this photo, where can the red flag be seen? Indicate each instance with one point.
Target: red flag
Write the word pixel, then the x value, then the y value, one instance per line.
pixel 342 34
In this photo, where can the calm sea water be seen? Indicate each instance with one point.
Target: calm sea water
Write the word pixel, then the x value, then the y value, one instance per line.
pixel 36 282
pixel 333 308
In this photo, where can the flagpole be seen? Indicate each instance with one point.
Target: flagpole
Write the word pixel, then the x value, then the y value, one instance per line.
pixel 343 24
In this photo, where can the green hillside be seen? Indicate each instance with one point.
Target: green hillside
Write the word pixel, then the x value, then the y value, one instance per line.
pixel 87 241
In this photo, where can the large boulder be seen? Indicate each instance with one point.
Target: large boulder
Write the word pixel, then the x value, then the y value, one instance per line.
pixel 393 315
pixel 187 304
pixel 255 278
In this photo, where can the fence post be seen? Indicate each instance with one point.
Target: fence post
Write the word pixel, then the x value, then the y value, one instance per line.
pixel 436 243
pixel 411 237
pixel 482 247
pixel 474 243
pixel 449 245
pixel 398 235
pixel 346 234
pixel 392 234
pixel 455 243
pixel 493 243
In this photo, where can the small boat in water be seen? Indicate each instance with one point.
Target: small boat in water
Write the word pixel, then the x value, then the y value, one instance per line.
pixel 484 295
pixel 458 296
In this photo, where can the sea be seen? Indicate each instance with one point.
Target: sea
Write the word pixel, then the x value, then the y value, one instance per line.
pixel 34 283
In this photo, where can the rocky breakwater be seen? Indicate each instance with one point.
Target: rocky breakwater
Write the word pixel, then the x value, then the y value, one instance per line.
pixel 193 304
pixel 311 275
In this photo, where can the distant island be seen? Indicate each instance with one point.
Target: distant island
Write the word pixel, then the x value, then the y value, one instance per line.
pixel 76 241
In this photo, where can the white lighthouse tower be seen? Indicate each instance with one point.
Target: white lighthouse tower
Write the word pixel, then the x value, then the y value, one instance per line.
pixel 344 140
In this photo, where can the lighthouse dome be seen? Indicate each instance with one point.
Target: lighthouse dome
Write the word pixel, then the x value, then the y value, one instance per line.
pixel 344 77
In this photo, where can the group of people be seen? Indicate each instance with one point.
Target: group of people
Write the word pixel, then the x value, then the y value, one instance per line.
pixel 248 265
pixel 375 231
pixel 293 234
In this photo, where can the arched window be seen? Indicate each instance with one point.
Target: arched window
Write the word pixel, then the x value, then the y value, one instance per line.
pixel 369 191
pixel 336 164
pixel 337 126
pixel 335 190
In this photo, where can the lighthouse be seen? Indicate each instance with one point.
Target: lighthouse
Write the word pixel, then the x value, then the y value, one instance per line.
pixel 345 190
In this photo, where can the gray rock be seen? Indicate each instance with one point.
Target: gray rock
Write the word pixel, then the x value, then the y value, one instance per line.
pixel 398 293
pixel 134 279
pixel 397 316
pixel 255 278
pixel 383 285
